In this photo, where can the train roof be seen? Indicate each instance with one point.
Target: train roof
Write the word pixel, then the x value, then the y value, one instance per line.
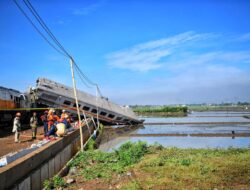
pixel 9 89
pixel 66 91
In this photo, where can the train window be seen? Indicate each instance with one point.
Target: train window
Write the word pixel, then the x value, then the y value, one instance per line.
pixel 86 108
pixel 75 105
pixel 103 113
pixel 47 96
pixel 111 116
pixel 119 118
pixel 66 102
pixel 94 111
pixel 125 120
pixel 11 97
pixel 47 86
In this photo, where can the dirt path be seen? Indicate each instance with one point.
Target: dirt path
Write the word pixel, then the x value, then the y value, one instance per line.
pixel 7 144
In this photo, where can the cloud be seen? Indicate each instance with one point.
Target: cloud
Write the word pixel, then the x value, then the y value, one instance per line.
pixel 189 68
pixel 88 9
pixel 243 37
pixel 149 56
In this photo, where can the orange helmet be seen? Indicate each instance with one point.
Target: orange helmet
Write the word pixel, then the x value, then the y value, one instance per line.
pixel 18 114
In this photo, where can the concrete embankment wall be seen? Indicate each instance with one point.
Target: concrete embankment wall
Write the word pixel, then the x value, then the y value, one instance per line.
pixel 30 171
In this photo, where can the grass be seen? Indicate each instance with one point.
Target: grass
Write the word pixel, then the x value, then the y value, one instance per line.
pixel 159 109
pixel 97 164
pixel 155 167
pixel 218 107
pixel 55 182
pixel 174 168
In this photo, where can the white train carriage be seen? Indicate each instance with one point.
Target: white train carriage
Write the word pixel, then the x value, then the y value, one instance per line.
pixel 53 94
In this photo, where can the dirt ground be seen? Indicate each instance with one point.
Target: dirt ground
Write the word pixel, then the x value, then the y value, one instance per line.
pixel 7 144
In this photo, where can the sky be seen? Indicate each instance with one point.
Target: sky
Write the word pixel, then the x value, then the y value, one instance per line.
pixel 139 51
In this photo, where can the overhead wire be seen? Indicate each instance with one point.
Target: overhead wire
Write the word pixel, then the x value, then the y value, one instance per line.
pixel 54 39
pixel 85 80
pixel 44 26
pixel 36 28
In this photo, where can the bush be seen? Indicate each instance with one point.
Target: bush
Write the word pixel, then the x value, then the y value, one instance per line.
pixel 130 153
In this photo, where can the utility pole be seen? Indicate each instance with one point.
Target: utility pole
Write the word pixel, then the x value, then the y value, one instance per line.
pixel 77 106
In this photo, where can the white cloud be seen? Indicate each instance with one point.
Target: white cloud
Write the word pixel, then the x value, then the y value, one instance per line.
pixel 191 68
pixel 244 37
pixel 87 9
pixel 149 56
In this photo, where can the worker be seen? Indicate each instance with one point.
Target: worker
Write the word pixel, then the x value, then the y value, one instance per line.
pixel 44 119
pixel 52 122
pixel 63 114
pixel 55 117
pixel 17 127
pixel 33 124
pixel 50 118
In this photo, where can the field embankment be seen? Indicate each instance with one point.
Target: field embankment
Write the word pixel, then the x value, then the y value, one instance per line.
pixel 226 108
pixel 160 111
pixel 138 166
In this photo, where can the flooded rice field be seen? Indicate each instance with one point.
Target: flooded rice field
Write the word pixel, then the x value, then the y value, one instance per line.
pixel 197 130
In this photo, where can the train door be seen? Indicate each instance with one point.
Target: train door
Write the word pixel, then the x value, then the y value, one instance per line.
pixel 17 101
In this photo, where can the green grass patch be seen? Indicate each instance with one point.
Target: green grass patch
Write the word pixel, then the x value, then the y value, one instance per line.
pixel 54 183
pixel 156 167
pixel 159 109
pixel 97 164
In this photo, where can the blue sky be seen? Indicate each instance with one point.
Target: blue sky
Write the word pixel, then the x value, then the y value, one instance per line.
pixel 139 52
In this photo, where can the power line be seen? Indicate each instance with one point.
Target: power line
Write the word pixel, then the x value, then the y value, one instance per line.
pixel 40 33
pixel 44 26
pixel 54 39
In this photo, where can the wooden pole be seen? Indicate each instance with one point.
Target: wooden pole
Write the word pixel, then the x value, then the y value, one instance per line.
pixel 77 105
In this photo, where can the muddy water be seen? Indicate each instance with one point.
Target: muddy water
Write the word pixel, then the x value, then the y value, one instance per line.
pixel 169 135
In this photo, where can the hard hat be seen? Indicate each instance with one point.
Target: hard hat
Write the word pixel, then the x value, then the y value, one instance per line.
pixel 18 114
pixel 63 110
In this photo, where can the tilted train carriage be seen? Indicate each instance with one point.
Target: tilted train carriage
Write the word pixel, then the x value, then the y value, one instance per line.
pixel 50 94
pixel 53 94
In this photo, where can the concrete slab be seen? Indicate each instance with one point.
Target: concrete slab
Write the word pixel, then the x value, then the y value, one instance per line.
pixel 68 153
pixel 63 159
pixel 57 162
pixel 25 184
pixel 44 172
pixel 52 167
pixel 36 180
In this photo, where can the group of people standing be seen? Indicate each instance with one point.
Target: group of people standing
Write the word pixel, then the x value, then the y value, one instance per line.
pixel 50 120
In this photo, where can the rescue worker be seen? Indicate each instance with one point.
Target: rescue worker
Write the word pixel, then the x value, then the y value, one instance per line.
pixel 63 114
pixel 52 121
pixel 17 127
pixel 44 119
pixel 33 124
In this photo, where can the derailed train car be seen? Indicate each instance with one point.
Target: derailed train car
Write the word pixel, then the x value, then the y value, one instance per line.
pixel 56 95
pixel 51 94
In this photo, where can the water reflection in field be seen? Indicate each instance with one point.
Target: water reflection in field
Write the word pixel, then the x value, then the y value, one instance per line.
pixel 188 129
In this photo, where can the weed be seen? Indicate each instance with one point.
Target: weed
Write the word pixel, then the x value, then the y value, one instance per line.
pixel 55 182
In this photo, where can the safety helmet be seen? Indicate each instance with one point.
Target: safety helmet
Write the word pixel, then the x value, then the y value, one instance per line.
pixel 63 110
pixel 18 114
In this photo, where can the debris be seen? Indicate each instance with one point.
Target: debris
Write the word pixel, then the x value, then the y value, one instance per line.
pixel 73 171
pixel 129 174
pixel 70 180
